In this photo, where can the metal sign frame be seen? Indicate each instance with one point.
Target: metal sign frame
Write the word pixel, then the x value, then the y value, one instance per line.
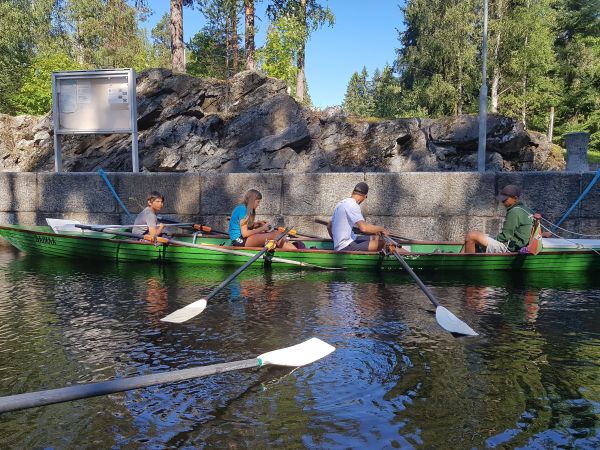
pixel 90 76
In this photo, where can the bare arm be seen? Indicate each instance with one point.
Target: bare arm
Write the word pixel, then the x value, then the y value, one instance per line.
pixel 368 228
pixel 247 232
pixel 329 229
pixel 155 231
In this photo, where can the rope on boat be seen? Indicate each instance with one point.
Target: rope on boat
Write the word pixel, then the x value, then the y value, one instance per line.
pixel 556 227
pixel 578 245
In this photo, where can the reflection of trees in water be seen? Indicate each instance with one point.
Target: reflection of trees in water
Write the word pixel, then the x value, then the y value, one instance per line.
pixel 533 371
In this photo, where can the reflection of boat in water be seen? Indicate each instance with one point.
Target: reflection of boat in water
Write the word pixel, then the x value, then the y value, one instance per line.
pixel 216 274
pixel 433 256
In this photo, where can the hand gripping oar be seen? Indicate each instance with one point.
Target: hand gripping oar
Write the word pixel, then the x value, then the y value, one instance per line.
pixel 195 308
pixel 445 318
pixel 212 248
pixel 297 233
pixel 295 356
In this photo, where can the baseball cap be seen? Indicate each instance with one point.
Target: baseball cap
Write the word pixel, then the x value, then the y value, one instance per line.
pixel 510 190
pixel 361 188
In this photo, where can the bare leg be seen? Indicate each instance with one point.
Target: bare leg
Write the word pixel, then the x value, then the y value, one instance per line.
pixel 376 244
pixel 258 240
pixel 474 237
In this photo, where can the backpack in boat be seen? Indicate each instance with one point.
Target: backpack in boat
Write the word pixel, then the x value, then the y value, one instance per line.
pixel 534 246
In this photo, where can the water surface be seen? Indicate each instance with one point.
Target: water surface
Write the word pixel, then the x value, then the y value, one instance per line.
pixel 397 380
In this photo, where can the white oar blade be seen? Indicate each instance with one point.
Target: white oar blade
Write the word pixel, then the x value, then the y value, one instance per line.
pixel 186 313
pixel 451 323
pixel 297 355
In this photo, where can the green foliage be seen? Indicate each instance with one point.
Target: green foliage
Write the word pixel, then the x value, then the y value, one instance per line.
pixel 35 95
pixel 207 55
pixel 358 100
pixel 578 47
pixel 106 34
pixel 16 47
pixel 212 48
pixel 524 55
pixel 437 60
pixel 161 42
pixel 278 57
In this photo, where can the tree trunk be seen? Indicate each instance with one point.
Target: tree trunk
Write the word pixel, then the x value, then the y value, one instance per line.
pixel 234 36
pixel 249 33
pixel 495 87
pixel 496 75
pixel 300 78
pixel 177 54
pixel 227 46
pixel 524 105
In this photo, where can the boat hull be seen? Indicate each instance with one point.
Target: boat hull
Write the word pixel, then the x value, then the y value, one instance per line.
pixel 424 256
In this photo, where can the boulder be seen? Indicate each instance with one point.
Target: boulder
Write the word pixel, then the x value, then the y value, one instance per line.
pixel 251 124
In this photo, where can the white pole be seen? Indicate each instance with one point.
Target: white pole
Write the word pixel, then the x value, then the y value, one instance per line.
pixel 483 95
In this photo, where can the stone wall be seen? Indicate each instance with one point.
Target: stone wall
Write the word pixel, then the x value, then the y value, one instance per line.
pixel 431 205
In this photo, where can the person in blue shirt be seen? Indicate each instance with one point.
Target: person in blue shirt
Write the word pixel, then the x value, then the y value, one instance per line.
pixel 246 231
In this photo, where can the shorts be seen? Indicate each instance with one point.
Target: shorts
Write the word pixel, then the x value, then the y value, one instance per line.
pixel 494 246
pixel 239 242
pixel 361 244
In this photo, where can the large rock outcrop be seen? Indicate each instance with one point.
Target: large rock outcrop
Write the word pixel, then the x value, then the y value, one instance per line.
pixel 251 124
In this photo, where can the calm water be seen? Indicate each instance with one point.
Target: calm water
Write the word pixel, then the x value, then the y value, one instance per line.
pixel 531 380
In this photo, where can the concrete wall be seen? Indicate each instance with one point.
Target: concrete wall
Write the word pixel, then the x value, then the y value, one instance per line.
pixel 423 205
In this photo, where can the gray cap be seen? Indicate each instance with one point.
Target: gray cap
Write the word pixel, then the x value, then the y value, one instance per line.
pixel 361 188
pixel 509 190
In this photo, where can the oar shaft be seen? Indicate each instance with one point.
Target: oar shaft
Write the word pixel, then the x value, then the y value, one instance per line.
pixel 49 397
pixel 424 288
pixel 231 277
pixel 411 272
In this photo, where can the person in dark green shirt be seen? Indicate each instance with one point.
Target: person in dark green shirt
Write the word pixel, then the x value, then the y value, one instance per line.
pixel 515 230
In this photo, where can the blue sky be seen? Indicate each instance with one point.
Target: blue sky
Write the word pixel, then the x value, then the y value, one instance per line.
pixel 364 34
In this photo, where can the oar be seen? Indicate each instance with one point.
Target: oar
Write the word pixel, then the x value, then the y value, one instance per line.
pixel 295 356
pixel 167 225
pixel 114 193
pixel 445 318
pixel 357 230
pixel 195 308
pixel 213 248
pixel 195 226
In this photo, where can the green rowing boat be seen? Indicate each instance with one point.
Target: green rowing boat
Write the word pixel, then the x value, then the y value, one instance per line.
pixel 557 255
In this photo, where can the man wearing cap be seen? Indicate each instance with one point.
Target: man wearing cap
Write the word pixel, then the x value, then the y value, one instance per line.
pixel 347 215
pixel 515 230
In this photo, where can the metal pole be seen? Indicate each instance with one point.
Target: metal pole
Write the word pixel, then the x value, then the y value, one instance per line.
pixel 56 124
pixel 483 95
pixel 135 161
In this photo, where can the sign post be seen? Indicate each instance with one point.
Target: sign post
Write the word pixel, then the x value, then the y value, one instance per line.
pixel 94 102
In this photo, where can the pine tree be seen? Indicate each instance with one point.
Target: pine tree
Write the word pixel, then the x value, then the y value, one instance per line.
pixel 578 47
pixel 386 93
pixel 358 100
pixel 437 59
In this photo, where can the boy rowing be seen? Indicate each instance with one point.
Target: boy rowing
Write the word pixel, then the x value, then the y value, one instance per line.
pixel 147 218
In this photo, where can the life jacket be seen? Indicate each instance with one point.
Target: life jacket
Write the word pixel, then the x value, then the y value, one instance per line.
pixel 534 246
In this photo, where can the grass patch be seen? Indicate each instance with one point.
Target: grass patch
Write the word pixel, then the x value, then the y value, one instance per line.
pixel 593 157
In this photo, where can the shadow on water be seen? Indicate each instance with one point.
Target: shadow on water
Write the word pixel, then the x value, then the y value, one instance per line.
pixel 396 379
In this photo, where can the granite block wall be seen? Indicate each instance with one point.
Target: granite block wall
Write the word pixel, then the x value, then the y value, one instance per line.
pixel 421 205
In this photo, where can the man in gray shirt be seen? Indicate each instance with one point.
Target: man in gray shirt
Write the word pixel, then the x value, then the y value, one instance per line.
pixel 147 217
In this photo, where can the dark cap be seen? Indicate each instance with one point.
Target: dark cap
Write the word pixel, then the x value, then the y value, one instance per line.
pixel 361 188
pixel 509 190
